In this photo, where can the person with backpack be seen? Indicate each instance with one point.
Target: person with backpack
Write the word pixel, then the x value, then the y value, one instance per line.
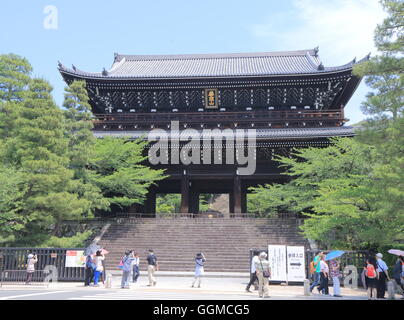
pixel 152 267
pixel 383 276
pixel 199 263
pixel 89 270
pixel 263 273
pixel 371 277
pixel 126 263
pixel 315 269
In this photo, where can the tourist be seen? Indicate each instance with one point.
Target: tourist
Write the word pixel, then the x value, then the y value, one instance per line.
pixel 99 257
pixel 199 262
pixel 135 267
pixel 263 273
pixel 383 276
pixel 371 278
pixel 127 261
pixel 152 267
pixel 316 262
pixel 32 259
pixel 253 273
pixel 324 274
pixel 335 275
pixel 397 275
pixel 89 270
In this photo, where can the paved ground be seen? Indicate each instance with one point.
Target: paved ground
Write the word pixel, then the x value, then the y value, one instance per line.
pixel 167 288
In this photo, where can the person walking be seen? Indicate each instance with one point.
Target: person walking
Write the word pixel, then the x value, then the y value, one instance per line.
pixel 152 267
pixel 135 270
pixel 263 271
pixel 89 270
pixel 99 257
pixel 32 259
pixel 397 275
pixel 335 275
pixel 253 273
pixel 127 261
pixel 371 277
pixel 324 274
pixel 383 276
pixel 317 277
pixel 199 263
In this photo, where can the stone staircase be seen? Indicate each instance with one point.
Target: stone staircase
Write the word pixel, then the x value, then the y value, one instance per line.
pixel 224 241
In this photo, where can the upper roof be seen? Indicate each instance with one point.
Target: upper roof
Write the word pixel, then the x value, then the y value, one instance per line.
pixel 211 65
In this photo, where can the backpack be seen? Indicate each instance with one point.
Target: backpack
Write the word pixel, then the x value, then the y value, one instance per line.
pixel 312 267
pixel 370 271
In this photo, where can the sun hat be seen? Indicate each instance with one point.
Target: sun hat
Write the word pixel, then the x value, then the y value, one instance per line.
pixel 379 255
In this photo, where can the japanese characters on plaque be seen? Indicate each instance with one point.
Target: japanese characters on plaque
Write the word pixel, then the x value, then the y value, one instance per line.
pixel 211 99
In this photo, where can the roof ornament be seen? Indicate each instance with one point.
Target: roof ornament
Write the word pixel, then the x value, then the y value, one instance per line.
pixel 60 65
pixel 353 61
pixel 316 51
pixel 104 72
pixel 74 67
pixel 320 66
pixel 116 56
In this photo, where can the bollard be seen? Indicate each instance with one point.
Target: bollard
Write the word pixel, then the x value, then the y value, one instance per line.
pixel 390 290
pixel 306 287
pixel 108 283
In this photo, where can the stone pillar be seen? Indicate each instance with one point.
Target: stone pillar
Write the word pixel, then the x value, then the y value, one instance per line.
pixel 184 194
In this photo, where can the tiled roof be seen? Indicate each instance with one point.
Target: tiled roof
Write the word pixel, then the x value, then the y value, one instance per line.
pixel 212 65
pixel 268 134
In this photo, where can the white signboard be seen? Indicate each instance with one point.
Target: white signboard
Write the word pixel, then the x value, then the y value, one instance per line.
pixel 75 258
pixel 277 262
pixel 296 264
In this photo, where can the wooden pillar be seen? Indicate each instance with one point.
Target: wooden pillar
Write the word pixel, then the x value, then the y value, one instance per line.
pixel 184 194
pixel 231 204
pixel 150 203
pixel 244 201
pixel 194 202
pixel 237 195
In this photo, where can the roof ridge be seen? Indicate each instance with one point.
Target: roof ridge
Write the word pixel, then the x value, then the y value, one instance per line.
pixel 119 57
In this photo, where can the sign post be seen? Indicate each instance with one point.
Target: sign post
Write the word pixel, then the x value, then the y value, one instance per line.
pixel 296 270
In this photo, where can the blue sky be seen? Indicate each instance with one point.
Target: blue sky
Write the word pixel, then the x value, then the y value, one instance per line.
pixel 89 32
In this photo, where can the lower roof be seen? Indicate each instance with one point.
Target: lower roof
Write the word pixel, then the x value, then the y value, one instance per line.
pixel 261 134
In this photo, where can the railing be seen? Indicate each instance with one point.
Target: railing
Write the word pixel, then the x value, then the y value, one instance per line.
pixel 256 117
pixel 21 277
pixel 15 259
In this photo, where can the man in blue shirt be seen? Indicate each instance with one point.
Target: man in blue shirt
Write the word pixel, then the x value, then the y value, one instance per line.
pixel 383 276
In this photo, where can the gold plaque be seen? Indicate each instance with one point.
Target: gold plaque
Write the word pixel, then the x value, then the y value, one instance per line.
pixel 211 99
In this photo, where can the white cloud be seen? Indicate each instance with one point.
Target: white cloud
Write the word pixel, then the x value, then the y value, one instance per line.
pixel 342 28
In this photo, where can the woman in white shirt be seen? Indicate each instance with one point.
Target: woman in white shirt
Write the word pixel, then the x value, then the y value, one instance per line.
pixel 324 274
pixel 98 266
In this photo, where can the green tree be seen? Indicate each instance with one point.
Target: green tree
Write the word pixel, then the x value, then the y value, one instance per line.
pixel 118 170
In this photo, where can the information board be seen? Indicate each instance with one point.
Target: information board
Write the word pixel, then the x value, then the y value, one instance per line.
pixel 75 258
pixel 296 263
pixel 277 262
